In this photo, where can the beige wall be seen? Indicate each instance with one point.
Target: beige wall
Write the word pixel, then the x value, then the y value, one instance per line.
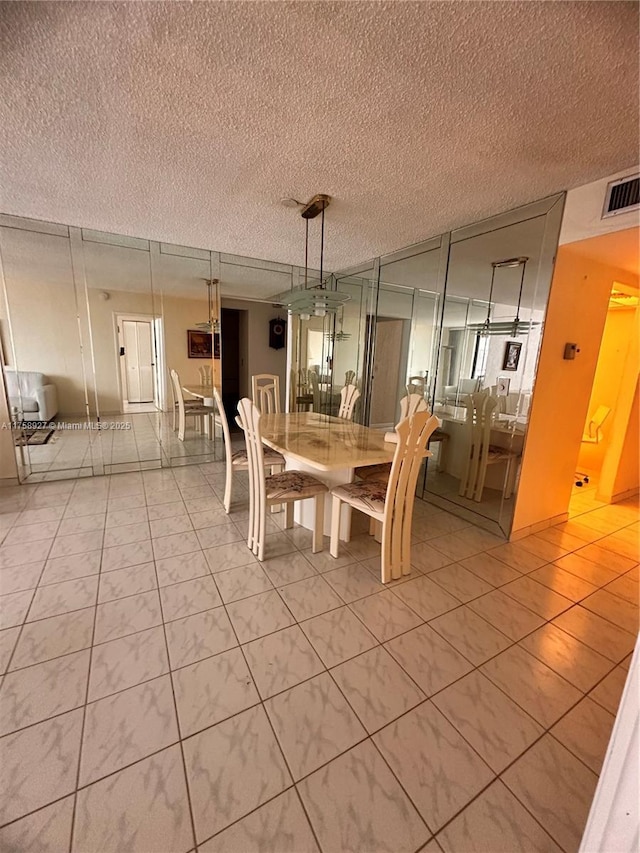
pixel 577 311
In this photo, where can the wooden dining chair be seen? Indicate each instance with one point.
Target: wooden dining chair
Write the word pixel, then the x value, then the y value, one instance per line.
pixel 239 460
pixel 189 402
pixel 348 398
pixel 409 405
pixel 391 503
pixel 265 491
pixel 186 411
pixel 480 452
pixel 265 390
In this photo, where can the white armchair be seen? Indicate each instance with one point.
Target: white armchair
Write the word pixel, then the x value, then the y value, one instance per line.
pixel 31 394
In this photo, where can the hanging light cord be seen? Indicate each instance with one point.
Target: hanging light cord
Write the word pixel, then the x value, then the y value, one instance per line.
pixel 306 252
pixel 493 275
pixel 321 244
pixel 517 320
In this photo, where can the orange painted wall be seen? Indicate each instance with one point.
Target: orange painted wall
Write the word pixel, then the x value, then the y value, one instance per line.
pixel 576 312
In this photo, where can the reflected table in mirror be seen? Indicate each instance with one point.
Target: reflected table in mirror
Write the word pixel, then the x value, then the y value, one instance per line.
pixel 330 449
pixel 204 393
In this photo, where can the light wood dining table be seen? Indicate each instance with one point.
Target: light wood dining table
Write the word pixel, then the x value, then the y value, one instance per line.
pixel 329 448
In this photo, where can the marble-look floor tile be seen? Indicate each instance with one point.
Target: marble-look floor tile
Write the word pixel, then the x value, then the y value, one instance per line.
pixel 259 615
pixel 207 518
pixel 38 516
pixel 122 556
pixel 170 525
pixel 182 568
pixel 77 543
pixel 39 764
pixel 575 564
pixel 353 582
pixel 377 688
pixel 63 597
pixel 490 569
pixel 127 616
pixel 430 660
pixel 585 731
pixel 8 640
pixel 37 692
pixel 156 818
pixel 617 610
pixel 199 636
pixel 280 825
pixel 495 822
pixel 609 691
pixel 233 768
pixel 229 556
pixel 323 561
pixel 434 763
pixel 460 582
pixel 213 689
pixel 337 636
pixel 32 532
pixel 506 614
pixel 601 635
pixel 464 543
pixel 425 558
pixel 20 578
pixel 564 583
pixel 580 665
pixel 189 597
pixel 24 553
pixel 282 660
pixel 127 533
pixel 313 723
pixel 355 804
pixel 426 598
pixel 122 517
pixel 14 608
pixel 289 569
pixel 519 558
pixel 493 724
pixel 619 563
pixel 175 545
pixel 126 662
pixel 162 496
pixel 531 684
pixel 556 788
pixel 50 638
pixel 70 568
pixel 47 830
pixel 125 582
pixel 126 727
pixel 310 597
pixel 537 597
pixel 385 615
pixel 221 534
pixel 158 512
pixel 471 635
pixel 625 586
pixel 242 582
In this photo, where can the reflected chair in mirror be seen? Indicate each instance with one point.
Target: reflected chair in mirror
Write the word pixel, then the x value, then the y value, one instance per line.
pixel 189 402
pixel 350 377
pixel 349 396
pixel 593 433
pixel 239 461
pixel 390 504
pixel 265 390
pixel 206 374
pixel 265 491
pixel 304 395
pixel 480 452
pixel 199 413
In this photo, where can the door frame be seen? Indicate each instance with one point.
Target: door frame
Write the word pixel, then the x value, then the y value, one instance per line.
pixel 156 347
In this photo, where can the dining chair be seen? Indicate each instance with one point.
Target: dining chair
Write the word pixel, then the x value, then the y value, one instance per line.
pixel 184 411
pixel 304 397
pixel 480 452
pixel 239 460
pixel 409 405
pixel 206 376
pixel 284 488
pixel 189 402
pixel 390 504
pixel 350 377
pixel 265 390
pixel 348 398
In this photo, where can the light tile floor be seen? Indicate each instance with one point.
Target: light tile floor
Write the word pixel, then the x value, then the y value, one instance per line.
pixel 163 692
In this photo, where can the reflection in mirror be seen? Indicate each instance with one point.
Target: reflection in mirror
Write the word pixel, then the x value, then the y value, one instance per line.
pixel 491 332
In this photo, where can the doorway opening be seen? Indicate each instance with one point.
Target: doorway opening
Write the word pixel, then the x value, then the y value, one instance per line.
pixel 234 361
pixel 137 349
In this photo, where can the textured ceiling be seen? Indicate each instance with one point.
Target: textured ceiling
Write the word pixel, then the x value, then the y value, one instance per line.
pixel 188 122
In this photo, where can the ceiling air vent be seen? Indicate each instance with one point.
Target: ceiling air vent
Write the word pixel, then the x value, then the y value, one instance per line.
pixel 622 196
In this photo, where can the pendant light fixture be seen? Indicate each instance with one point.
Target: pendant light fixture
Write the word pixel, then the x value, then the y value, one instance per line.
pixel 212 324
pixel 318 300
pixel 512 328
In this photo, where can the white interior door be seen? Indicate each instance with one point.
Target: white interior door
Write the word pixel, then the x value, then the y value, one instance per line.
pixel 138 359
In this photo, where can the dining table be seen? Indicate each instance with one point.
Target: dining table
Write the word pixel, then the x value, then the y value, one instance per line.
pixel 329 448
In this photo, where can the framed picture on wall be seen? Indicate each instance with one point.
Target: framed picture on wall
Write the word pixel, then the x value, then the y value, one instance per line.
pixel 511 355
pixel 199 344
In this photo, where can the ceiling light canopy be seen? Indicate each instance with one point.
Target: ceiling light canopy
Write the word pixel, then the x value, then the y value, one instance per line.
pixel 512 328
pixel 319 300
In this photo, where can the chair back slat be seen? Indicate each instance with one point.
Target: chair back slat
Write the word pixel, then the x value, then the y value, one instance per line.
pixel 348 398
pixel 265 389
pixel 480 411
pixel 411 404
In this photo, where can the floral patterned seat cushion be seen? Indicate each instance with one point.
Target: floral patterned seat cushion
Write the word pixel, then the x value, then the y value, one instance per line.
pixel 367 496
pixel 496 453
pixel 293 485
pixel 380 473
pixel 240 458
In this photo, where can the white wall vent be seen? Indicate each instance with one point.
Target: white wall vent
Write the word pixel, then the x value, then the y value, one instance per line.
pixel 622 196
